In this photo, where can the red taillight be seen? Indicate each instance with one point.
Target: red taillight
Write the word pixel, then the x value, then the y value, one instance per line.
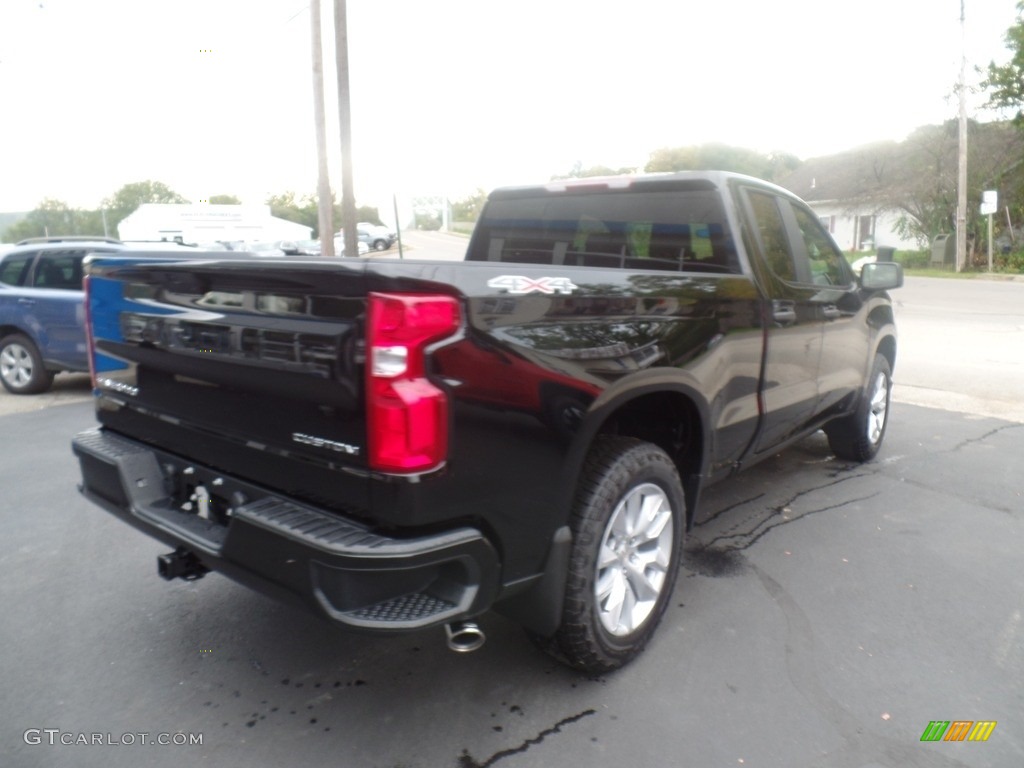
pixel 407 415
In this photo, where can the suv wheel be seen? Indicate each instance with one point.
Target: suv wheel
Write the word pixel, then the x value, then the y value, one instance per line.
pixel 380 245
pixel 21 368
pixel 627 526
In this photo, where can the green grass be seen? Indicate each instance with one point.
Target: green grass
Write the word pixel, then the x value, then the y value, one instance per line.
pixel 937 272
pixel 916 264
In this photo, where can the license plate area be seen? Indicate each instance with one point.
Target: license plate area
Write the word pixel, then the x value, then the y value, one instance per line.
pixel 197 504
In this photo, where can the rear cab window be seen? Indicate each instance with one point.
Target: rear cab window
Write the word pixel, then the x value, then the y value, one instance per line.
pixel 678 229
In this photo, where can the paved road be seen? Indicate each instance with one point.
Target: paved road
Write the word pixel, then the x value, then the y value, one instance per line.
pixel 827 612
pixel 437 246
pixel 961 345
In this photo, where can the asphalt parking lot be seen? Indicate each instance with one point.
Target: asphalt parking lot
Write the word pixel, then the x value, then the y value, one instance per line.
pixel 826 614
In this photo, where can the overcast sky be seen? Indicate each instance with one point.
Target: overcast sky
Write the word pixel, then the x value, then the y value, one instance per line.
pixel 214 96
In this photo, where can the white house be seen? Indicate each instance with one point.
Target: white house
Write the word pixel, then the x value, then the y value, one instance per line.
pixel 845 192
pixel 188 223
pixel 861 228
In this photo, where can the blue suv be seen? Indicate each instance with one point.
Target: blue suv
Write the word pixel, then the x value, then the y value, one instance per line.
pixel 42 313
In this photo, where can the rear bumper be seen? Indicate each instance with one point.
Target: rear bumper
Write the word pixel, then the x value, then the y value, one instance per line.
pixel 288 549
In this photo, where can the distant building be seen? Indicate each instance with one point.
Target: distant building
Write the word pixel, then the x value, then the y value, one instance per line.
pixel 847 197
pixel 188 223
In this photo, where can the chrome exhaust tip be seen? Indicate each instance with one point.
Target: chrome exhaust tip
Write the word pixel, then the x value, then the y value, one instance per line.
pixel 464 636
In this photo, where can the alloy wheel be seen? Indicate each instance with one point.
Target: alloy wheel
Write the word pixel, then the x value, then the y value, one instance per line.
pixel 634 557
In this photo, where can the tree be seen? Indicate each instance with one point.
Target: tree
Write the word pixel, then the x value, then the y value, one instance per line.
pixel 300 210
pixel 1005 82
pixel 468 208
pixel 55 217
pixel 305 210
pixel 128 198
pixel 721 157
pixel 368 213
pixel 918 178
pixel 579 172
pixel 224 200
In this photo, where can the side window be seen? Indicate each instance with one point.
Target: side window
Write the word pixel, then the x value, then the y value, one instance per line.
pixel 61 270
pixel 773 234
pixel 826 262
pixel 14 269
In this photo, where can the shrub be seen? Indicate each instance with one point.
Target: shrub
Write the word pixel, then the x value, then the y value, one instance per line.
pixel 914 259
pixel 1011 262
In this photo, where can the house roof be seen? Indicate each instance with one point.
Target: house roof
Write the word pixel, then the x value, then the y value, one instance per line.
pixel 884 172
pixel 852 175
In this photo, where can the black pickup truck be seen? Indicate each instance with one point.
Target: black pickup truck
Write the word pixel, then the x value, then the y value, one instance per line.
pixel 407 444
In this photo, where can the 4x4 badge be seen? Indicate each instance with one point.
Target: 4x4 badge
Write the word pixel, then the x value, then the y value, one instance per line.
pixel 520 284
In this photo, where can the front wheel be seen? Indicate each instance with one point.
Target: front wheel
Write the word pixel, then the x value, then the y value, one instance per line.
pixel 380 245
pixel 627 522
pixel 858 437
pixel 21 368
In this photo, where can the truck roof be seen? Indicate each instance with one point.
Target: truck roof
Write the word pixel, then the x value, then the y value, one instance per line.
pixel 663 180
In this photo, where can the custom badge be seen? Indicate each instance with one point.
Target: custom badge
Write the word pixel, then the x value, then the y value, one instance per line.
pixel 519 284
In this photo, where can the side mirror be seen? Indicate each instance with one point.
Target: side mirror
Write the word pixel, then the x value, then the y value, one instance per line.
pixel 881 276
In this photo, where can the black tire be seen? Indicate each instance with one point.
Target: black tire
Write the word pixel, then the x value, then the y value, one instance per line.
pixel 623 477
pixel 858 437
pixel 380 245
pixel 21 368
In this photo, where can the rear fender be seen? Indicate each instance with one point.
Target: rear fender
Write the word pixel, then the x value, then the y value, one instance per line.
pixel 600 418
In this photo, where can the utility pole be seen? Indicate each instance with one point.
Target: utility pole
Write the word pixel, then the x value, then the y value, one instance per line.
pixel 961 197
pixel 325 200
pixel 348 198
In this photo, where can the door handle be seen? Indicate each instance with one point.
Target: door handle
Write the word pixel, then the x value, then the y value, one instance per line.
pixel 784 312
pixel 27 302
pixel 831 312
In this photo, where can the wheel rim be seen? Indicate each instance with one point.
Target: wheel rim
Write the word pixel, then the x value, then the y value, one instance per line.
pixel 878 411
pixel 634 557
pixel 16 365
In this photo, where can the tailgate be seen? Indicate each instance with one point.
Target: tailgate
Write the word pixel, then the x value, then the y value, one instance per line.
pixel 251 368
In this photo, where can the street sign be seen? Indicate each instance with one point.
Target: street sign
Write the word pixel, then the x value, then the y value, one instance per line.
pixel 987 209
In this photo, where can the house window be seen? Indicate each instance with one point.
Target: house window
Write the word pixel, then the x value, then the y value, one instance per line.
pixel 865 232
pixel 829 223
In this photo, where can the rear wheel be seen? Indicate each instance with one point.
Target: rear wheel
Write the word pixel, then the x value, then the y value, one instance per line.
pixel 858 437
pixel 21 368
pixel 627 537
